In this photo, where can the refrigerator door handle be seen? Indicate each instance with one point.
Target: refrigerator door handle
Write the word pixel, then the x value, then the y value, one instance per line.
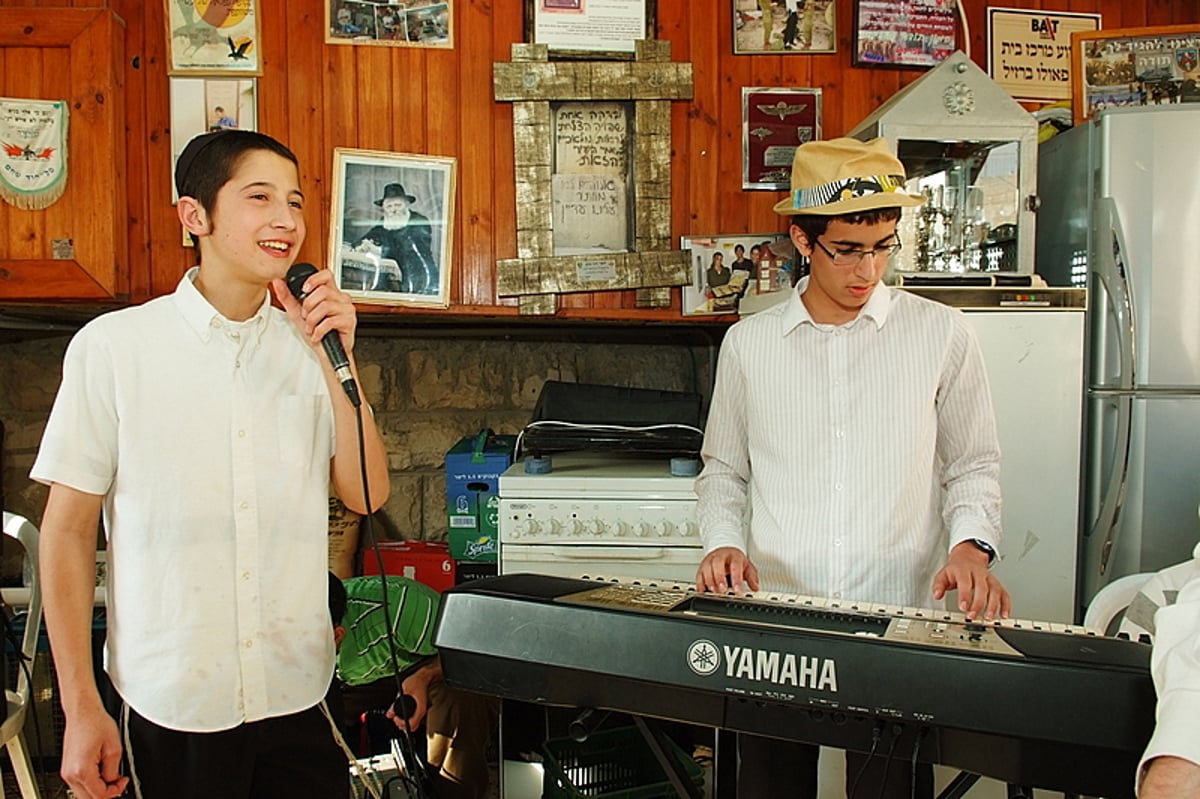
pixel 1108 518
pixel 1112 275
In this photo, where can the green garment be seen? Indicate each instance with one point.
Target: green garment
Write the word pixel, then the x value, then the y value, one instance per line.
pixel 363 656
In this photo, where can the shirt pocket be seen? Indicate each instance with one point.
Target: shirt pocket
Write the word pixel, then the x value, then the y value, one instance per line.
pixel 303 429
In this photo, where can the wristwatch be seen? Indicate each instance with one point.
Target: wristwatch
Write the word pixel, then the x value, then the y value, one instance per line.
pixel 984 546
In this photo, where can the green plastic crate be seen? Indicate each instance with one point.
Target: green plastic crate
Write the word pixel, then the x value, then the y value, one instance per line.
pixel 611 764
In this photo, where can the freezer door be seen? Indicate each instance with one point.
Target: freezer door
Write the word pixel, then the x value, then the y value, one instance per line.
pixel 1147 205
pixel 1142 485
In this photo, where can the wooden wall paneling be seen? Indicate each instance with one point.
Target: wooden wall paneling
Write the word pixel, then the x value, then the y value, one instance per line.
pixel 27 75
pixel 168 259
pixel 300 107
pixel 1159 12
pixel 507 26
pixel 137 116
pixel 371 101
pixel 704 121
pixel 473 272
pixel 443 125
pixel 412 102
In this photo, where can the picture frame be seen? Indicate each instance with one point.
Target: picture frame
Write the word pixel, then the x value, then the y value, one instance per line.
pixel 775 121
pixel 809 28
pixel 1029 51
pixel 392 226
pixel 906 34
pixel 201 105
pixel 221 40
pixel 709 295
pixel 1134 66
pixel 394 23
pixel 583 29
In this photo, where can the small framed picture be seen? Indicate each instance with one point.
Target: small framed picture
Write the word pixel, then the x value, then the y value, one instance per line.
pixel 729 267
pixel 392 226
pixel 904 33
pixel 1134 66
pixel 407 23
pixel 201 105
pixel 213 39
pixel 774 123
pixel 801 27
pixel 589 29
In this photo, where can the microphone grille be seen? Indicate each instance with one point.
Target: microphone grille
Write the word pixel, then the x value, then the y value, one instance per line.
pixel 296 275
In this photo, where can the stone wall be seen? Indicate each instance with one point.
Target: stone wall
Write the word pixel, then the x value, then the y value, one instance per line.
pixel 429 389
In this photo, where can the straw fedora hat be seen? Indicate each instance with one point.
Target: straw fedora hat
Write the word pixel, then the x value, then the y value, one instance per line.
pixel 846 176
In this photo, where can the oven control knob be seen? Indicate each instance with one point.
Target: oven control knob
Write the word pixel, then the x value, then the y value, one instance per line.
pixel 529 526
pixel 555 526
pixel 623 528
pixel 577 527
pixel 645 528
pixel 664 528
pixel 597 527
pixel 690 529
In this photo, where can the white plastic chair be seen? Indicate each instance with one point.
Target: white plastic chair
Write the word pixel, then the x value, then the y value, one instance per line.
pixel 18 702
pixel 1111 601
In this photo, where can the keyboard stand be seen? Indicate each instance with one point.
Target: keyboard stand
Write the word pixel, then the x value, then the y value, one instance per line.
pixel 655 737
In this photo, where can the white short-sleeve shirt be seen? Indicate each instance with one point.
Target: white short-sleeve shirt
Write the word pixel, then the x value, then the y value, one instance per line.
pixel 210 441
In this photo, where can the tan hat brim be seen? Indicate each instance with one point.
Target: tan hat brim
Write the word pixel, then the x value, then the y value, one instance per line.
pixel 853 205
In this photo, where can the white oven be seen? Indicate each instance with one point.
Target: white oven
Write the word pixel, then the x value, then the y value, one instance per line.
pixel 599 514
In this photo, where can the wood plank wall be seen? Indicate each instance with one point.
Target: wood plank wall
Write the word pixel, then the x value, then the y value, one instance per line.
pixel 316 97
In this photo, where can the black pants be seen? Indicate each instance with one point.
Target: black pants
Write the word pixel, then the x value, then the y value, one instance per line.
pixel 280 758
pixel 769 768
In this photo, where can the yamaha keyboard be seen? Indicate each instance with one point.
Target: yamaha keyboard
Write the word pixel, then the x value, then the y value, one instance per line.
pixel 1034 704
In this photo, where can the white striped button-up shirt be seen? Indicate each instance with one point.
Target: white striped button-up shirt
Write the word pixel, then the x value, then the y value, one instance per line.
pixel 850 451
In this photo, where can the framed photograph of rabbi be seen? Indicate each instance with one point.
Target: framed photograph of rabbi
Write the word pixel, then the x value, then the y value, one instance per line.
pixel 391 228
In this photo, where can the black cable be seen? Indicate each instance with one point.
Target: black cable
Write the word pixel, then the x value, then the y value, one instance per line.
pixel 916 749
pixel 888 764
pixel 423 784
pixel 876 735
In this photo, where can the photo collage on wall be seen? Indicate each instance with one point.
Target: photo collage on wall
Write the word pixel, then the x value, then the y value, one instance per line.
pixel 726 269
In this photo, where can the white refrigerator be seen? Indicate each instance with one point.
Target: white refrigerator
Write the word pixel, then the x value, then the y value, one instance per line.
pixel 1129 204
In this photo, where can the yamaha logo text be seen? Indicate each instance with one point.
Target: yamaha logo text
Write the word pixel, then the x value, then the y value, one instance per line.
pixel 764 666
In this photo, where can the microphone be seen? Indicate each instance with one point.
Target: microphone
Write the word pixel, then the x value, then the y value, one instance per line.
pixel 404 706
pixel 332 342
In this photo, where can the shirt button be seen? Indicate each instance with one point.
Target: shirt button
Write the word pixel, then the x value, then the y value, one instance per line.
pixel 248 643
pixel 837 542
pixel 841 434
pixel 837 594
pixel 245 505
pixel 241 434
pixel 837 486
pixel 245 575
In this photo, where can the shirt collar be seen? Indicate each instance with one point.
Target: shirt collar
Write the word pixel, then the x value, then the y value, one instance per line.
pixel 201 316
pixel 795 313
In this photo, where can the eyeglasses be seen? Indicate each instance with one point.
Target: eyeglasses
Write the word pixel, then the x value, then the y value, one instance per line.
pixel 854 257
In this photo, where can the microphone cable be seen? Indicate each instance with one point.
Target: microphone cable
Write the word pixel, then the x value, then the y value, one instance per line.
pixel 421 781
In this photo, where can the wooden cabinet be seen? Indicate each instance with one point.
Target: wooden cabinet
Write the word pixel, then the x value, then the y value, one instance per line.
pixel 77 248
